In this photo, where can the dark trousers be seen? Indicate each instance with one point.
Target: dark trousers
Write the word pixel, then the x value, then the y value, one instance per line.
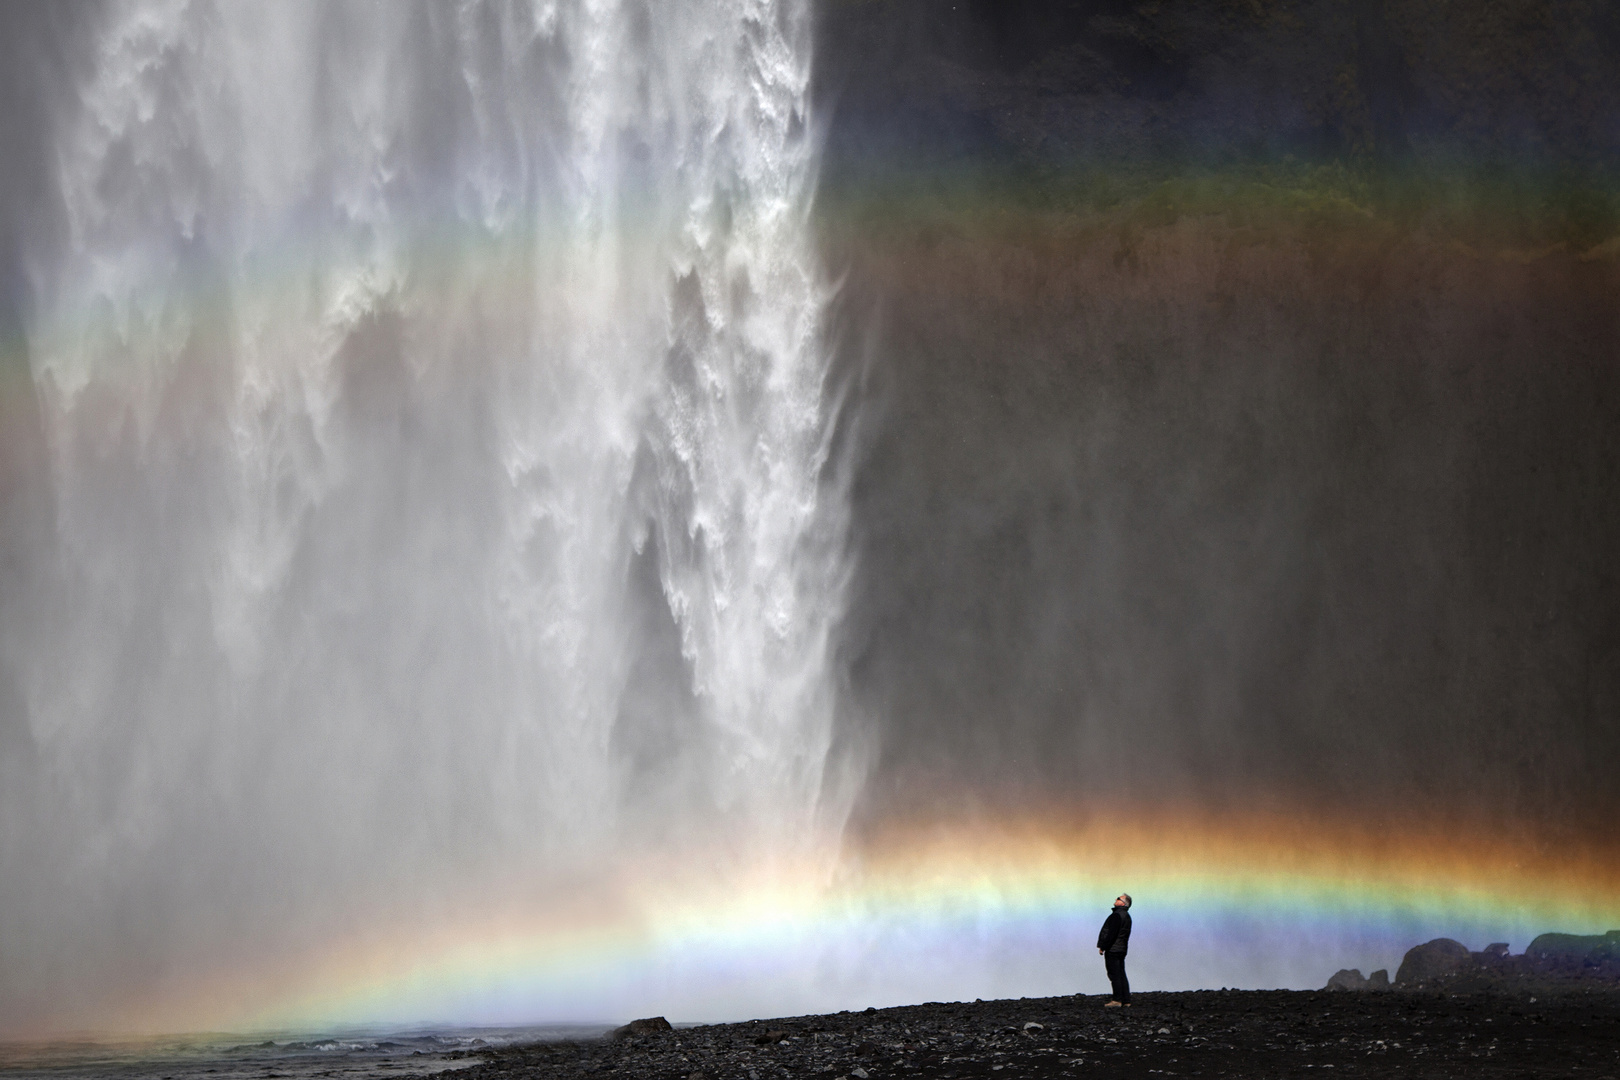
pixel 1115 962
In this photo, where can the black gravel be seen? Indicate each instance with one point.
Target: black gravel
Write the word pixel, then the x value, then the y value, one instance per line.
pixel 1203 1033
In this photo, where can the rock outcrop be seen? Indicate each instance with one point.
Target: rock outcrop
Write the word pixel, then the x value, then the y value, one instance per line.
pixel 1442 956
pixel 1551 960
pixel 1347 979
pixel 1593 947
pixel 1352 979
pixel 650 1025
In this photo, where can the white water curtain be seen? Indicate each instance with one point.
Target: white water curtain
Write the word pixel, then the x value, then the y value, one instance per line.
pixel 436 414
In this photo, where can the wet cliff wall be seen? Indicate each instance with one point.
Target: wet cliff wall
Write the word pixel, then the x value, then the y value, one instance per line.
pixel 1242 404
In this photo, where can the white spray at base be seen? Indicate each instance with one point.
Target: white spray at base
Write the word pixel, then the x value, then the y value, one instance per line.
pixel 437 424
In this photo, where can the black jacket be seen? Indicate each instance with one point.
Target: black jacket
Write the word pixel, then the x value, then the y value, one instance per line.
pixel 1116 932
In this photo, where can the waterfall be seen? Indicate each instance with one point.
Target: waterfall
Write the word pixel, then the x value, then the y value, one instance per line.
pixel 436 419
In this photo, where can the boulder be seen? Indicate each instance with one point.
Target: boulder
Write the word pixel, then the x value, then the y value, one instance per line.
pixel 1442 956
pixel 647 1026
pixel 1576 947
pixel 1347 979
pixel 1378 980
pixel 1496 951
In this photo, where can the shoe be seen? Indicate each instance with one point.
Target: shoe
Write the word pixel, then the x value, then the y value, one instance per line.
pixel 1111 1004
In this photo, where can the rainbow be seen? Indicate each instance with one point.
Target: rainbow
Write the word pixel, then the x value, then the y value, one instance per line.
pixel 927 911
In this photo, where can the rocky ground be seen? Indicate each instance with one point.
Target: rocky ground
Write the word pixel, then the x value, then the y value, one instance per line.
pixel 1560 1030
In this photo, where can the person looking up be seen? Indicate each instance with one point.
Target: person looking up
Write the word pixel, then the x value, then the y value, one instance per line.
pixel 1112 943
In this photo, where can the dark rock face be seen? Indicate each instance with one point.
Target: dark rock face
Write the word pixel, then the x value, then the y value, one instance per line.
pixel 1351 979
pixel 1209 1033
pixel 1442 956
pixel 1033 79
pixel 1347 979
pixel 1598 947
pixel 1150 483
pixel 1358 434
pixel 1553 963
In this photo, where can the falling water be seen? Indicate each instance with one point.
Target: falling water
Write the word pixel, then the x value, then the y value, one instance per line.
pixel 433 497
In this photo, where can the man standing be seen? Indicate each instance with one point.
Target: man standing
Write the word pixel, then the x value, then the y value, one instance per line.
pixel 1111 944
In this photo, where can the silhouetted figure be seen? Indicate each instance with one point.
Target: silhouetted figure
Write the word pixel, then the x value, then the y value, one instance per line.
pixel 1112 943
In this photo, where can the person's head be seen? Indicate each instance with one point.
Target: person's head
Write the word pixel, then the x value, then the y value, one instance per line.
pixel 1123 901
